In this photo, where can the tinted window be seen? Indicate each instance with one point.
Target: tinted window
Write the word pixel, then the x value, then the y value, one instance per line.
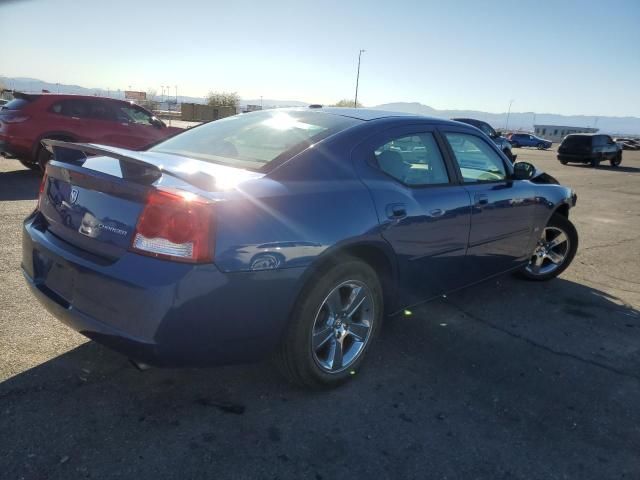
pixel 255 139
pixel 100 110
pixel 132 114
pixel 71 108
pixel 573 141
pixel 478 161
pixel 413 160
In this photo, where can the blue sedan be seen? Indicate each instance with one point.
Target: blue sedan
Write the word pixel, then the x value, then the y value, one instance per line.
pixel 292 231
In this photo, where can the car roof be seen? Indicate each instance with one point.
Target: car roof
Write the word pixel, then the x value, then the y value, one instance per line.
pixel 65 96
pixel 372 114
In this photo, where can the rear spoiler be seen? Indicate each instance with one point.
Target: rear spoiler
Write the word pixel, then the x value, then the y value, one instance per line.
pixel 29 97
pixel 62 152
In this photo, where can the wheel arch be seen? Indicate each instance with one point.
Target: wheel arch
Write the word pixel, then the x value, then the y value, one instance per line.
pixel 562 209
pixel 377 254
pixel 55 135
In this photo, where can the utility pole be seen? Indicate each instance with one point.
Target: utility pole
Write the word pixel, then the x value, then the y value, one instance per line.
pixel 355 102
pixel 506 128
pixel 260 102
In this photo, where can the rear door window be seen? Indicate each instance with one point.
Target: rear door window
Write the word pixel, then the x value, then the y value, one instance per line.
pixel 413 160
pixel 100 110
pixel 71 108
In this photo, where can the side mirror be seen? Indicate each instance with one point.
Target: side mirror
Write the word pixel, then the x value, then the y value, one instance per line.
pixel 523 171
pixel 156 122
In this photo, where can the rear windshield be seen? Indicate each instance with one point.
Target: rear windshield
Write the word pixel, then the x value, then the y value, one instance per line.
pixel 577 141
pixel 16 104
pixel 254 140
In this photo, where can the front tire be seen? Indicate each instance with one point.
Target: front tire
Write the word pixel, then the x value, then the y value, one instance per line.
pixel 554 251
pixel 540 146
pixel 614 162
pixel 336 319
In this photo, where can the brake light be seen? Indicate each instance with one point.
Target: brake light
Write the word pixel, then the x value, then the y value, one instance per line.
pixel 175 226
pixel 15 118
pixel 43 183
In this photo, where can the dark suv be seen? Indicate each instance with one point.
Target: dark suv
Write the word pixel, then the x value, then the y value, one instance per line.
pixel 589 148
pixel 497 138
pixel 30 118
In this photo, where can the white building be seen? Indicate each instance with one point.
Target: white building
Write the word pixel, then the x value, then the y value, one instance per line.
pixel 556 133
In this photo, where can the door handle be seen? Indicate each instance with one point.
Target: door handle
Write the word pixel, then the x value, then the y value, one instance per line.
pixel 396 210
pixel 436 212
pixel 481 199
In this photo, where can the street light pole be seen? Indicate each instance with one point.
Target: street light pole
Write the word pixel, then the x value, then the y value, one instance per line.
pixel 355 102
pixel 508 114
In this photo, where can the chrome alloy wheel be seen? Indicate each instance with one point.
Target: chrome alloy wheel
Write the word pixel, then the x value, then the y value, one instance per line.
pixel 342 326
pixel 550 252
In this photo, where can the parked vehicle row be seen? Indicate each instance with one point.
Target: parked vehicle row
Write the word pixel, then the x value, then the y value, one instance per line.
pixel 30 118
pixel 628 143
pixel 294 231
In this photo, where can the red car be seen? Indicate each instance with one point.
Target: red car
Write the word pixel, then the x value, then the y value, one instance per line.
pixel 29 118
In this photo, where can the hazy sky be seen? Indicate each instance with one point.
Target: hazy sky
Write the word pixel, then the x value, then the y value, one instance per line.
pixel 569 57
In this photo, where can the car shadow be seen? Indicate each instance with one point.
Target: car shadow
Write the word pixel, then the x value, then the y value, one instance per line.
pixel 602 166
pixel 19 185
pixel 505 363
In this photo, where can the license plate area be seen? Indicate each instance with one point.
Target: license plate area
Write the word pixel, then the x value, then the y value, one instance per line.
pixel 54 277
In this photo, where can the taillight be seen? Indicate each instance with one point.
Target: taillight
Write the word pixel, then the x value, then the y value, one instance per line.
pixel 175 226
pixel 43 183
pixel 15 118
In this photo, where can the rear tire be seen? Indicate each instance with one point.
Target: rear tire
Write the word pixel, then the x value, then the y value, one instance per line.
pixel 554 252
pixel 614 162
pixel 563 162
pixel 323 345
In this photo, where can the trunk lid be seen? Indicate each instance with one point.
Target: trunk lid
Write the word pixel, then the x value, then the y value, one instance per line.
pixel 94 202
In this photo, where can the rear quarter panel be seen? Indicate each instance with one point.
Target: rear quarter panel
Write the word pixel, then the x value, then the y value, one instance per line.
pixel 290 217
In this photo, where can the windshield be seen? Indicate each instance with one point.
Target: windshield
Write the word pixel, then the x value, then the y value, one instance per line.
pixel 253 140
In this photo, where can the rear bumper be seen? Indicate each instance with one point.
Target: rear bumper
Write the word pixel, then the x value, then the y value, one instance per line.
pixel 158 312
pixel 12 147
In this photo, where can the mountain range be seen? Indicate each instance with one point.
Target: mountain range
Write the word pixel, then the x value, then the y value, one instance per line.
pixel 516 120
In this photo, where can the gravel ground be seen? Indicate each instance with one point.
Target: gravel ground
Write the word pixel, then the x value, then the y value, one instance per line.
pixel 507 380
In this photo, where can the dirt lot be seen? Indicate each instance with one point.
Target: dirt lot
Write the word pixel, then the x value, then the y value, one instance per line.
pixel 507 380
